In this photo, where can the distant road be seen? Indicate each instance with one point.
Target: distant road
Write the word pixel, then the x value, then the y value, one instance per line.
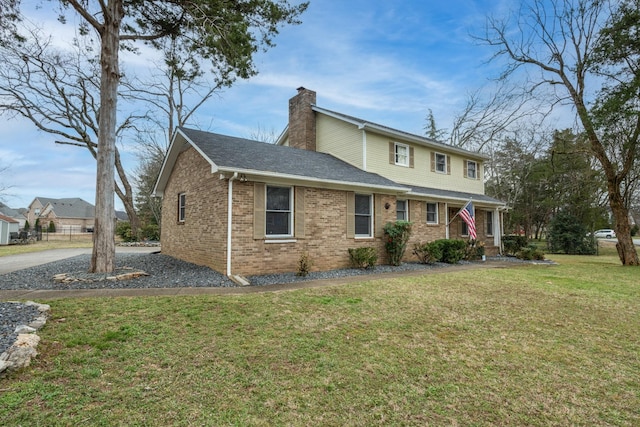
pixel 11 263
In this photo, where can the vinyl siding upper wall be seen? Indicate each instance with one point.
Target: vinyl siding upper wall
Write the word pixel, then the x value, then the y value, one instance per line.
pixel 421 174
pixel 340 139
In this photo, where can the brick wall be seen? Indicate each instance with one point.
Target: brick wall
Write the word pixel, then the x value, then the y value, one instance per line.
pixel 201 238
pixel 325 239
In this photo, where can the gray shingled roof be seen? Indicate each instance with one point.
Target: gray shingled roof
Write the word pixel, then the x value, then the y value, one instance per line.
pixel 69 208
pixel 448 194
pixel 229 152
pixel 7 211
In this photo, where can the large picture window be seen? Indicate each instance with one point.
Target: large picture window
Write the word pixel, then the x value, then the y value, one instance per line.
pixel 363 215
pixel 432 213
pixel 182 199
pixel 279 211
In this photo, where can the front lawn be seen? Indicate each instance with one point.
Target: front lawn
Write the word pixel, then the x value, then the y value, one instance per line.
pixel 533 345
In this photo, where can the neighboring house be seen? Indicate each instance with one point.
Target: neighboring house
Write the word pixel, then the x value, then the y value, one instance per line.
pixel 8 225
pixel 330 183
pixel 68 215
pixel 16 214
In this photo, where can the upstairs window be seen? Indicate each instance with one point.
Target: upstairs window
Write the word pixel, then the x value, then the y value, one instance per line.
pixel 279 218
pixel 471 169
pixel 182 199
pixel 401 154
pixel 440 163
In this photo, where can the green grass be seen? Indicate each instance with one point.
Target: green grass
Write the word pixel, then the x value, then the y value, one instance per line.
pixel 534 345
pixel 43 245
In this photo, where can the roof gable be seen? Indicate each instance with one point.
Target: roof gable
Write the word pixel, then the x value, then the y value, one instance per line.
pixel 67 208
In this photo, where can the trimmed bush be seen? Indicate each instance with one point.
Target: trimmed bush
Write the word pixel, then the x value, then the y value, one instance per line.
pixel 428 253
pixel 396 237
pixel 530 253
pixel 363 257
pixel 452 250
pixel 474 250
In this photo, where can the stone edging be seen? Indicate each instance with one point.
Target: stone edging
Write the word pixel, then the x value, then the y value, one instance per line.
pixel 19 355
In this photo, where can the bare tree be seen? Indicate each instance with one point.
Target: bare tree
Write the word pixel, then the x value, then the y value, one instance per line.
pixel 225 33
pixel 3 187
pixel 58 92
pixel 555 41
pixel 262 134
pixel 488 116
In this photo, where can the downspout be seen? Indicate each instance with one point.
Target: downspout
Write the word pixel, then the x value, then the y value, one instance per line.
pixel 229 219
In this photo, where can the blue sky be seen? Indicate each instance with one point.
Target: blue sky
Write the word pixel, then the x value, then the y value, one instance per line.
pixel 382 60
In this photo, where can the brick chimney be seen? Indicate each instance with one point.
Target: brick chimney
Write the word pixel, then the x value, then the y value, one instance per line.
pixel 302 120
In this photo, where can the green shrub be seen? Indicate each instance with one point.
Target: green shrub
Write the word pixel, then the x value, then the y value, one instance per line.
pixel 52 227
pixel 396 237
pixel 26 226
pixel 123 229
pixel 634 230
pixel 452 250
pixel 567 235
pixel 363 257
pixel 513 243
pixel 304 265
pixel 150 232
pixel 428 253
pixel 530 253
pixel 474 250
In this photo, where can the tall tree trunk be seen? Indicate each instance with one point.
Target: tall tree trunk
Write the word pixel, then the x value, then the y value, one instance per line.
pixel 104 250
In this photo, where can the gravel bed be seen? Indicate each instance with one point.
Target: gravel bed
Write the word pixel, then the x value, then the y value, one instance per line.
pixel 13 315
pixel 168 272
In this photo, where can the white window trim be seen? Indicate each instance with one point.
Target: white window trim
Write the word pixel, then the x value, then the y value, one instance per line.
pixel 370 215
pixel 291 213
pixel 437 221
pixel 436 163
pixel 395 154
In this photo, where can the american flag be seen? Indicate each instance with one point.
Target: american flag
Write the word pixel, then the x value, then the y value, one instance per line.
pixel 466 213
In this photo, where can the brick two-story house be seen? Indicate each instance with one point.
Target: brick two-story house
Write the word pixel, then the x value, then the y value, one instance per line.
pixel 330 183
